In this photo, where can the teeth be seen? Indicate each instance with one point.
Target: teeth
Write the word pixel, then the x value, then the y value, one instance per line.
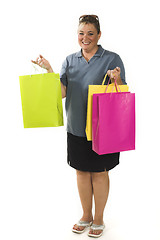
pixel 85 43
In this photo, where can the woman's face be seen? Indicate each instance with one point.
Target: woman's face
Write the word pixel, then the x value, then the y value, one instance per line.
pixel 88 37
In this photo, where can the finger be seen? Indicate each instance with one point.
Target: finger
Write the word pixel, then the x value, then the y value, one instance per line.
pixel 42 64
pixel 40 60
pixel 109 73
pixel 41 56
pixel 37 60
pixel 118 69
pixel 115 70
pixel 112 74
pixel 34 62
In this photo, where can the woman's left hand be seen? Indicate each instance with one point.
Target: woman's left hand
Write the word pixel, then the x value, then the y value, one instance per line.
pixel 115 73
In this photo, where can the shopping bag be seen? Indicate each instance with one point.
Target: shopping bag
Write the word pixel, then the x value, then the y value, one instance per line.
pixel 113 122
pixel 41 100
pixel 92 89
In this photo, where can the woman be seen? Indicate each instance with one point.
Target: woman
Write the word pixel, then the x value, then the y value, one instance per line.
pixel 80 69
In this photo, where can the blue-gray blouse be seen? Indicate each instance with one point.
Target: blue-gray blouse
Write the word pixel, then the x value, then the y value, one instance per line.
pixel 76 74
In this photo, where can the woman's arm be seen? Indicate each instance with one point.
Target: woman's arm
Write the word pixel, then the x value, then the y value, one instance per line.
pixel 63 89
pixel 43 63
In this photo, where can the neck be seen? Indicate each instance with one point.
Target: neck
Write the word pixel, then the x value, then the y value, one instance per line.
pixel 88 55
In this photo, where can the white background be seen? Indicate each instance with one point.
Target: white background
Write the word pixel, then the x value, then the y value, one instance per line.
pixel 38 192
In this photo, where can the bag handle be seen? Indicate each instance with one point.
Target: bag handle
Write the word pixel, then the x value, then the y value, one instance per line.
pixel 115 85
pixel 104 79
pixel 36 69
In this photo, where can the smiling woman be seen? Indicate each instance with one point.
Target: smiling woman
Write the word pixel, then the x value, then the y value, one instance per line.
pixel 80 69
pixel 88 39
pixel 88 35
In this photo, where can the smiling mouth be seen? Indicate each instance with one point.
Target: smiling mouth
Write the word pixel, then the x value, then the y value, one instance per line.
pixel 85 43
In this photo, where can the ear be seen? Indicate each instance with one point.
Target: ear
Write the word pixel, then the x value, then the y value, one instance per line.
pixel 99 35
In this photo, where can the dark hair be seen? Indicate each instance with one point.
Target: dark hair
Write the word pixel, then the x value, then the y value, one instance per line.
pixel 93 19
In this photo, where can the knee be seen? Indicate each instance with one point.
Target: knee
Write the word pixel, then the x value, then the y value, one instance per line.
pixel 83 174
pixel 100 177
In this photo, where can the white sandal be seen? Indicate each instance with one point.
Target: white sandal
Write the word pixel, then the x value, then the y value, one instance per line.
pixel 82 224
pixel 95 227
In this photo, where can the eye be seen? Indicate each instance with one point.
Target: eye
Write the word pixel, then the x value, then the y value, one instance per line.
pixel 90 34
pixel 80 33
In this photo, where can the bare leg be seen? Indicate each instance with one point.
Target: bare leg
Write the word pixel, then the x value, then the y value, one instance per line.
pixel 85 189
pixel 100 183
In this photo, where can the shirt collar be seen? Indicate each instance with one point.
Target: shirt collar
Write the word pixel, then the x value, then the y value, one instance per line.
pixel 99 52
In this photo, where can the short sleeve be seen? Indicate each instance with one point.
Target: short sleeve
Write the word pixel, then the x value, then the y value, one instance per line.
pixel 117 62
pixel 63 73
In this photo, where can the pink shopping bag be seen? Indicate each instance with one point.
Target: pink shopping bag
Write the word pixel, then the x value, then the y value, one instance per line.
pixel 113 122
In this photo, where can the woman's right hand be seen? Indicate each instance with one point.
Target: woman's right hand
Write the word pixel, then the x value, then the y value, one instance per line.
pixel 43 63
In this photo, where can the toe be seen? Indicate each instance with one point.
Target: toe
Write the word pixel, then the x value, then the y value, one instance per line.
pixel 78 228
pixel 95 232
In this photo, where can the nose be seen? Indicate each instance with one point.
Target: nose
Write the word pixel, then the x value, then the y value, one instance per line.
pixel 85 37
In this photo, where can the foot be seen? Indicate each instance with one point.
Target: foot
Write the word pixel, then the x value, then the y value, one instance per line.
pixel 82 225
pixel 96 230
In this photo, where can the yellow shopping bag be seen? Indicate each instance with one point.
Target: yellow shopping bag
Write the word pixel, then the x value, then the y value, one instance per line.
pixel 93 89
pixel 41 100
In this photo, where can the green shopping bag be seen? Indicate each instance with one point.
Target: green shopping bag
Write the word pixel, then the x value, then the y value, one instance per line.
pixel 41 100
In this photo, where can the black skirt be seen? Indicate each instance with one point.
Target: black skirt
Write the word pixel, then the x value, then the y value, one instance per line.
pixel 82 157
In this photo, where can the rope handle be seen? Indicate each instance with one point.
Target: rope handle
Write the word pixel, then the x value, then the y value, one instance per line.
pixel 115 84
pixel 104 79
pixel 36 69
